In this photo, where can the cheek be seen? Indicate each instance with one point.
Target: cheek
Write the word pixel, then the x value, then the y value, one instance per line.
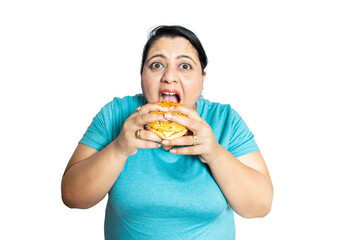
pixel 148 79
pixel 194 85
pixel 192 91
pixel 144 83
pixel 150 88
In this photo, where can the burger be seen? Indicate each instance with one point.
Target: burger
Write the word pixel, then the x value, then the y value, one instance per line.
pixel 167 130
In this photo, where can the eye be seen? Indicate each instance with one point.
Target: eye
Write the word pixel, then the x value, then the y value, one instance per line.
pixel 185 66
pixel 156 65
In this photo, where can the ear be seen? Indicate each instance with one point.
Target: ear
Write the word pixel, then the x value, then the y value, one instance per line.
pixel 203 79
pixel 204 76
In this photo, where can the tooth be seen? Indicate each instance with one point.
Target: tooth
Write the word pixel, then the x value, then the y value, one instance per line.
pixel 169 93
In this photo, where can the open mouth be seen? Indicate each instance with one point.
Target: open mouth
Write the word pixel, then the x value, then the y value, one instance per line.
pixel 170 95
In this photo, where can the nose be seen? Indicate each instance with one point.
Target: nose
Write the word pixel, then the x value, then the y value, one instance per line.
pixel 170 75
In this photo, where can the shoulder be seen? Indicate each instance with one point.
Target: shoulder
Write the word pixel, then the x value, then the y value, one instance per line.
pixel 211 109
pixel 124 104
pixel 128 101
pixel 109 120
pixel 120 108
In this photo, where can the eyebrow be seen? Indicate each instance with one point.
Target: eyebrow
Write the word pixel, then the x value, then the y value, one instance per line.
pixel 186 56
pixel 162 56
pixel 154 56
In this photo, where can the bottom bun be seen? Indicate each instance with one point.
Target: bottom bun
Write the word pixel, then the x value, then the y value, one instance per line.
pixel 167 135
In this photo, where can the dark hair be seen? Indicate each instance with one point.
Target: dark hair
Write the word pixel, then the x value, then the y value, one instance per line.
pixel 175 31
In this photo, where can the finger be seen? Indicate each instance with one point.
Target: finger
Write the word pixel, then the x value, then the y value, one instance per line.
pixel 143 144
pixel 150 107
pixel 182 141
pixel 153 107
pixel 193 125
pixel 149 136
pixel 143 119
pixel 193 150
pixel 188 111
pixel 133 115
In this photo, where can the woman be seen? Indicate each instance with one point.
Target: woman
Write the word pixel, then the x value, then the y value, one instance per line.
pixel 192 190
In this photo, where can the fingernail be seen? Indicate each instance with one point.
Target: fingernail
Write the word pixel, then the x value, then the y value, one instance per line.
pixel 168 115
pixel 165 142
pixel 173 150
pixel 171 108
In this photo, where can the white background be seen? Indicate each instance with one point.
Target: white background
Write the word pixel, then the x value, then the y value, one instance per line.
pixel 290 68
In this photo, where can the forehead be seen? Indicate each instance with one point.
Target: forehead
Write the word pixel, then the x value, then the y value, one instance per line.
pixel 172 47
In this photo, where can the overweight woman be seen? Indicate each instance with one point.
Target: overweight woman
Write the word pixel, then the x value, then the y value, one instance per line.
pixel 189 192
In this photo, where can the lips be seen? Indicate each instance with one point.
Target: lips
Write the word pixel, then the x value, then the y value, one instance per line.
pixel 170 95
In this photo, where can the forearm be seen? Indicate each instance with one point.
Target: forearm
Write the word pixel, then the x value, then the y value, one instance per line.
pixel 248 191
pixel 87 182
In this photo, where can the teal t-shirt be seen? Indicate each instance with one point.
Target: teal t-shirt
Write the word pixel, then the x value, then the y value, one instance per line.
pixel 160 195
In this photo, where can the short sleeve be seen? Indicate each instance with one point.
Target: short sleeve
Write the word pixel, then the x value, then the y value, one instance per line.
pixel 242 140
pixel 97 135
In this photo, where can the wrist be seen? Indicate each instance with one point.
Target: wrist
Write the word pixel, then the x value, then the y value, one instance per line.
pixel 214 156
pixel 119 151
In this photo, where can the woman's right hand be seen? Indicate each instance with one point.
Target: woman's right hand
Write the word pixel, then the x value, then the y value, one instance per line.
pixel 127 143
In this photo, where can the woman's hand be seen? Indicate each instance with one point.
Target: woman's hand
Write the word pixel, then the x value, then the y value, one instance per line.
pixel 202 142
pixel 127 142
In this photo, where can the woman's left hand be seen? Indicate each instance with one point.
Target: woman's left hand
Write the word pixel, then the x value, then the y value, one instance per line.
pixel 202 142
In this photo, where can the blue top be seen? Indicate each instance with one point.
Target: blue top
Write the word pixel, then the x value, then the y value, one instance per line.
pixel 160 195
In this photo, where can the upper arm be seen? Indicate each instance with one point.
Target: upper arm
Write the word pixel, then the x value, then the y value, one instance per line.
pixel 256 161
pixel 81 153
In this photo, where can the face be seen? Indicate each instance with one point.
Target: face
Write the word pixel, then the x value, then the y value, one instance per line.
pixel 172 72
